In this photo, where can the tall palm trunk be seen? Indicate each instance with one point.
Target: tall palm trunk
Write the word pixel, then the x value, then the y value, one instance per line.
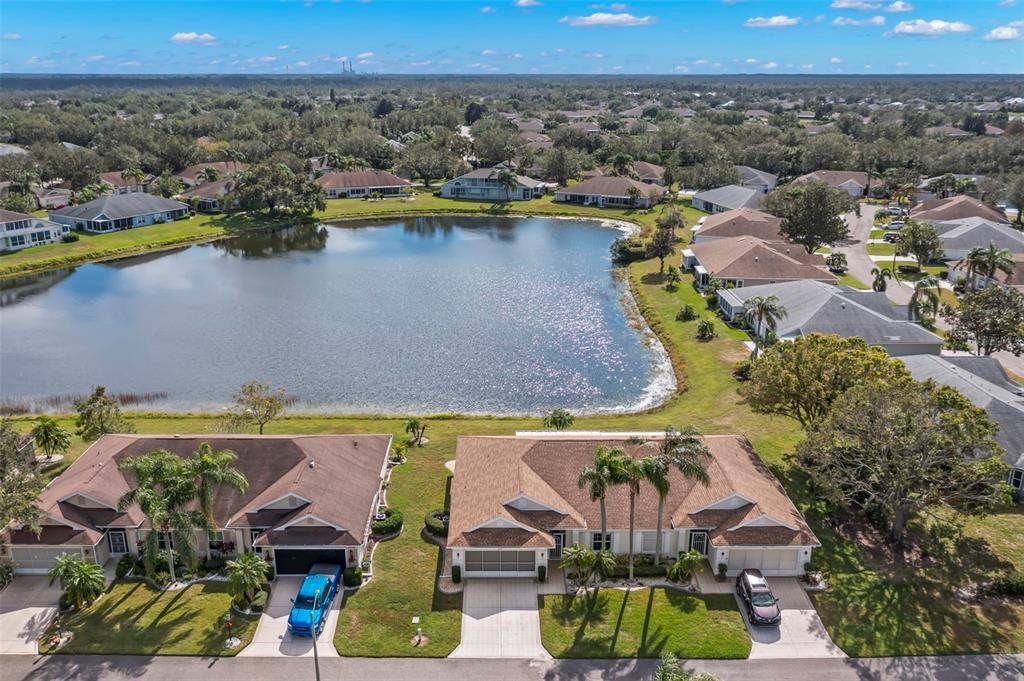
pixel 632 512
pixel 170 557
pixel 657 539
pixel 604 524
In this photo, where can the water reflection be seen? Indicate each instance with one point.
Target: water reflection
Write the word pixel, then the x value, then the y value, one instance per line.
pixel 15 290
pixel 273 242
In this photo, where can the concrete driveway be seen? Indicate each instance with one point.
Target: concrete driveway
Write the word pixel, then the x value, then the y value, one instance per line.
pixel 500 619
pixel 27 606
pixel 272 638
pixel 801 634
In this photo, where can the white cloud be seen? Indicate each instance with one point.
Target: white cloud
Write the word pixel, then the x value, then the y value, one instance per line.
pixel 594 55
pixel 807 66
pixel 932 27
pixel 701 62
pixel 1007 3
pixel 10 36
pixel 681 68
pixel 193 37
pixel 855 4
pixel 607 19
pixel 516 55
pixel 867 67
pixel 770 65
pixel 835 60
pixel 902 63
pixel 877 20
pixel 528 3
pixel 777 21
pixel 282 47
pixel 130 63
pixel 36 61
pixel 92 58
pixel 302 64
pixel 486 9
pixel 420 63
pixel 365 55
pixel 619 6
pixel 266 60
pixel 1009 32
pixel 900 6
pixel 751 60
pixel 488 53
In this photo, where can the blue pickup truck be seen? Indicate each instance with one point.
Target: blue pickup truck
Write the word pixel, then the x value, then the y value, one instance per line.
pixel 310 605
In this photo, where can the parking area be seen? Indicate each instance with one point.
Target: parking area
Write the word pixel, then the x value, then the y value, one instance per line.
pixel 27 606
pixel 500 619
pixel 801 634
pixel 272 638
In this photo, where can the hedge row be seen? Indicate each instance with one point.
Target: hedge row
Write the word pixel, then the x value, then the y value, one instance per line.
pixel 391 523
pixel 437 522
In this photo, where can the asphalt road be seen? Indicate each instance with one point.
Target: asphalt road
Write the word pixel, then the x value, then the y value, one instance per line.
pixel 94 668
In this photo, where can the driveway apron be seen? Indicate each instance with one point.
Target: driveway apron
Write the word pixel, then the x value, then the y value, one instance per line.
pixel 500 619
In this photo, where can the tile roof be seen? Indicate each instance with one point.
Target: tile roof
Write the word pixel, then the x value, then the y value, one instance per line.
pixel 607 185
pixel 747 257
pixel 491 471
pixel 360 178
pixel 955 208
pixel 116 206
pixel 12 216
pixel 644 169
pixel 731 197
pixel 750 175
pixel 741 222
pixel 339 475
pixel 210 190
pixel 835 178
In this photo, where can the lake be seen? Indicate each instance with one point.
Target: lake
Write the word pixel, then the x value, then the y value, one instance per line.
pixel 419 315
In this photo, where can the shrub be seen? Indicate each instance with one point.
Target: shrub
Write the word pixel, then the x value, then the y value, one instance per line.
pixel 64 603
pixel 271 572
pixel 811 566
pixel 722 569
pixel 214 564
pixel 687 314
pixel 161 577
pixel 259 602
pixel 6 573
pixel 1008 584
pixel 124 565
pixel 391 523
pixel 706 330
pixel 741 370
pixel 625 250
pixel 542 573
pixel 352 576
pixel 456 573
pixel 437 522
pixel 69 238
pixel 686 565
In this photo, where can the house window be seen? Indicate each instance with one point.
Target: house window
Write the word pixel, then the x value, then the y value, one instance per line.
pixel 648 542
pixel 1017 479
pixel 16 240
pixel 254 533
pixel 598 545
pixel 161 541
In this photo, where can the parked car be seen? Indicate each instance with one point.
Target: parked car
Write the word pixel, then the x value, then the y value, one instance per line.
pixel 891 237
pixel 895 209
pixel 895 224
pixel 762 605
pixel 311 605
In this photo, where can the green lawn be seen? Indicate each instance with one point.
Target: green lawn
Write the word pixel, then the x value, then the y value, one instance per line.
pixel 881 249
pixel 847 279
pixel 643 623
pixel 132 618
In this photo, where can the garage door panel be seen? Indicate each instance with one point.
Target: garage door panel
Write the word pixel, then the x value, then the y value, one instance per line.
pixel 298 561
pixel 493 563
pixel 768 561
pixel 37 560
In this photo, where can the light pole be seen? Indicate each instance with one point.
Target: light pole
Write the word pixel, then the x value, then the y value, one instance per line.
pixel 313 632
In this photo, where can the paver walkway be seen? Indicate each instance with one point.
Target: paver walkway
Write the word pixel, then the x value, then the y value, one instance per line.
pixel 500 619
pixel 272 638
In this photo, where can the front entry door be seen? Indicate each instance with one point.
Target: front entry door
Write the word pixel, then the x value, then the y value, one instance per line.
pixel 559 537
pixel 699 542
pixel 116 541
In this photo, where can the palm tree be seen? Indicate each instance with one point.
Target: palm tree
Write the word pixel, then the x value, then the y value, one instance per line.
pixel 507 181
pixel 634 196
pixel 165 491
pixel 212 470
pixel 80 581
pixel 685 451
pixel 208 174
pixel 246 575
pixel 925 299
pixel 416 429
pixel 50 437
pixel 989 259
pixel 559 419
pixel 134 175
pixel 706 330
pixel 622 164
pixel 233 155
pixel 631 473
pixel 881 275
pixel 766 311
pixel 685 566
pixel 579 561
pixel 600 477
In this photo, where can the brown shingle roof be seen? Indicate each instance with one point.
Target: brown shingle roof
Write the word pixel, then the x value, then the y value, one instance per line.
pixel 955 208
pixel 226 168
pixel 747 257
pixel 114 179
pixel 742 222
pixel 491 471
pixel 371 179
pixel 835 178
pixel 607 185
pixel 645 169
pixel 339 474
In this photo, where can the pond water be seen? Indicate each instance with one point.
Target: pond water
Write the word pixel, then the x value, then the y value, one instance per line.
pixel 419 315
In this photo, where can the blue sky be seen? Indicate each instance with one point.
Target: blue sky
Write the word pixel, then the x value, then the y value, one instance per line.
pixel 514 36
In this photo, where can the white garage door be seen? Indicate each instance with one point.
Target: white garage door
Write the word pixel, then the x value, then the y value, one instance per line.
pixel 768 561
pixel 36 561
pixel 500 563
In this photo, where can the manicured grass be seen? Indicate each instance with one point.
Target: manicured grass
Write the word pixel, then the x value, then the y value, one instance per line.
pixel 847 279
pixel 133 618
pixel 881 249
pixel 643 623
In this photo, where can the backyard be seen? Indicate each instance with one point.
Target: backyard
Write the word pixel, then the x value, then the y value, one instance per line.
pixel 874 607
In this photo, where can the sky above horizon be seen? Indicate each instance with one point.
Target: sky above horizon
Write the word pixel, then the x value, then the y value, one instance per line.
pixel 513 36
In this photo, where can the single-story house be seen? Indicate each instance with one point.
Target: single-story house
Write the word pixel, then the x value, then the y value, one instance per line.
pixel 924 193
pixel 752 178
pixel 588 127
pixel 758 113
pixel 958 207
pixel 649 173
pixel 516 504
pixel 120 185
pixel 536 140
pixel 1014 280
pixel 684 112
pixel 310 499
pixel 738 222
pixel 729 197
pixel 959 237
pixel 610 191
pixel 528 124
pixel 225 170
pixel 946 131
pixel 207 197
pixel 358 183
pixel 816 307
pixel 483 184
pixel 51 197
pixel 853 182
pixel 20 230
pixel 120 211
pixel 983 381
pixel 748 261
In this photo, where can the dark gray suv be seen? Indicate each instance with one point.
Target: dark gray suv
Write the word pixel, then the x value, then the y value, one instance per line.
pixel 762 605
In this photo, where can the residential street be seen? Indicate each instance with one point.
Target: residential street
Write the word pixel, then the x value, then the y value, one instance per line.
pixel 94 668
